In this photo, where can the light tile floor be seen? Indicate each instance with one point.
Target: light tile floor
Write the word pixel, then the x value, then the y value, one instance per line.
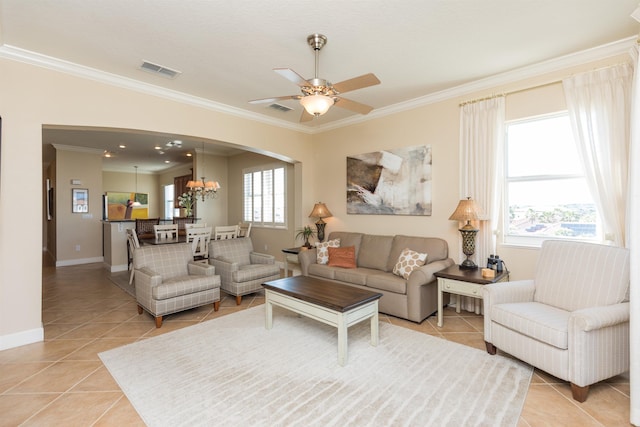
pixel 62 382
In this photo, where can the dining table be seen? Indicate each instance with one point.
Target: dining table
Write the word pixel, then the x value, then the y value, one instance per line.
pixel 163 241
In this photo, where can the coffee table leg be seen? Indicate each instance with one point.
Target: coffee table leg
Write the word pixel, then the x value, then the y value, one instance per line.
pixel 268 324
pixel 374 329
pixel 342 340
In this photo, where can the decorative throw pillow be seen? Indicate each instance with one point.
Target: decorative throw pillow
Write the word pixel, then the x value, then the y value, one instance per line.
pixel 342 257
pixel 323 253
pixel 408 261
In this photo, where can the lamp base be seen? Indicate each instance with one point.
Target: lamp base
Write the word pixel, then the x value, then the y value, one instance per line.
pixel 467 264
pixel 320 226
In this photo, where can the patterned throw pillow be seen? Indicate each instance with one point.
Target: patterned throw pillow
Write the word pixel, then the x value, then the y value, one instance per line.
pixel 408 261
pixel 342 257
pixel 323 252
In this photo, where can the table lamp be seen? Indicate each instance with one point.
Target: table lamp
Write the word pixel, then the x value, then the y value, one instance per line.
pixel 320 211
pixel 468 211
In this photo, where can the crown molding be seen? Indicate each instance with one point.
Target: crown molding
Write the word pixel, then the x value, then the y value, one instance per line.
pixel 51 63
pixel 62 147
pixel 557 64
pixel 553 65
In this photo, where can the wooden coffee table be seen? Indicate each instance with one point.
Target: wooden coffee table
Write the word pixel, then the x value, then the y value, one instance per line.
pixel 327 302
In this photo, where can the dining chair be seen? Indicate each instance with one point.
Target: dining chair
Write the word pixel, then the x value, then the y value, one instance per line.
pixel 244 229
pixel 132 245
pixel 199 238
pixel 182 221
pixel 168 231
pixel 223 232
pixel 144 227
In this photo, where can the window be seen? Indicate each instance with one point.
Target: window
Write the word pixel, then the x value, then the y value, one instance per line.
pixel 168 201
pixel 546 194
pixel 264 196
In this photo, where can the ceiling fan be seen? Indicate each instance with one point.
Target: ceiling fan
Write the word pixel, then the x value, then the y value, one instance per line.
pixel 318 95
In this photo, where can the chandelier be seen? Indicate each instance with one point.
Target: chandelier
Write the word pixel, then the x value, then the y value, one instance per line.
pixel 203 188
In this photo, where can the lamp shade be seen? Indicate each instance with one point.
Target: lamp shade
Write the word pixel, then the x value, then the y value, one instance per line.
pixel 467 210
pixel 316 105
pixel 320 211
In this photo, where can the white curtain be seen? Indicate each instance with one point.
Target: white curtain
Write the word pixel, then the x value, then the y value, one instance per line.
pixel 599 104
pixel 481 166
pixel 633 242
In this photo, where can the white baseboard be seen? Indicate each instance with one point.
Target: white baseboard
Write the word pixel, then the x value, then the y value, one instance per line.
pixel 79 261
pixel 21 338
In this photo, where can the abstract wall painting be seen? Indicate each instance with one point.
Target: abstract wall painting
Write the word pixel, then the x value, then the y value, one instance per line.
pixel 390 182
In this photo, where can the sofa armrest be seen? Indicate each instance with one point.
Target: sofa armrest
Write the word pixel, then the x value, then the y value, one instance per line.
pixel 592 318
pixel 307 258
pixel 224 267
pixel 258 258
pixel 423 275
pixel 504 292
pixel 145 280
pixel 200 269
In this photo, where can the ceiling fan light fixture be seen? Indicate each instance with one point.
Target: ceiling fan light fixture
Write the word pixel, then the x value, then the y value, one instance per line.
pixel 316 105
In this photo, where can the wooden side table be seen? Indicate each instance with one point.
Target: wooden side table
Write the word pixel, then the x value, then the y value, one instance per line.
pixel 287 252
pixel 463 282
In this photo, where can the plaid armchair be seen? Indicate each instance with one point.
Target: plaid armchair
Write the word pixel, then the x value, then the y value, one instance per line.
pixel 572 320
pixel 242 271
pixel 167 280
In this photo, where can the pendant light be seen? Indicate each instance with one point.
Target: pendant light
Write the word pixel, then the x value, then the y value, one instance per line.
pixel 203 188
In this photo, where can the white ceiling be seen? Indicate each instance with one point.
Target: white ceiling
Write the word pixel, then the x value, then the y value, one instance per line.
pixel 226 50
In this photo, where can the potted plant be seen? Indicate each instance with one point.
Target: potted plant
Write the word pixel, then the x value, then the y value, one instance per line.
pixel 306 232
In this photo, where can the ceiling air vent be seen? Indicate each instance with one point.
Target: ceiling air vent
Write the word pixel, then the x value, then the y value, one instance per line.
pixel 280 107
pixel 159 69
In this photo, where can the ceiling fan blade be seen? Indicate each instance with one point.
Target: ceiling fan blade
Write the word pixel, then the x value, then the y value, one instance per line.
pixel 291 75
pixel 305 117
pixel 352 105
pixel 274 99
pixel 365 80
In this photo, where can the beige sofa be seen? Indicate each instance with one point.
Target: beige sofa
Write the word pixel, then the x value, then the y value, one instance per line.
pixel 415 298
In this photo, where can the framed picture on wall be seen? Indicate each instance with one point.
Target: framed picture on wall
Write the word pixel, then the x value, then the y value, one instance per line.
pixel 79 200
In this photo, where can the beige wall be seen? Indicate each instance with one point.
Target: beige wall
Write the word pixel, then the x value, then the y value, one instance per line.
pixel 33 97
pixel 79 236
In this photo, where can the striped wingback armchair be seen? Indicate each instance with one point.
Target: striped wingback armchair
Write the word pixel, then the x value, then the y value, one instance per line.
pixel 571 320
pixel 168 280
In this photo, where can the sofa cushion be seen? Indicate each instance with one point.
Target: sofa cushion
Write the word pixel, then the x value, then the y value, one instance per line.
pixel 387 282
pixel 234 250
pixel 540 321
pixel 354 276
pixel 168 261
pixel 182 285
pixel 322 253
pixel 436 248
pixel 342 257
pixel 348 238
pixel 246 273
pixel 322 270
pixel 374 252
pixel 407 262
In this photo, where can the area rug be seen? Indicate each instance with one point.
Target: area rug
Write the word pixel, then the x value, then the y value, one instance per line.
pixel 232 371
pixel 121 280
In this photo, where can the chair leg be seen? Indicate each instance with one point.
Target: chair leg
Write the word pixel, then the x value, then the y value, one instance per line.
pixel 131 276
pixel 139 309
pixel 579 393
pixel 491 349
pixel 158 321
pixel 216 306
pixel 238 299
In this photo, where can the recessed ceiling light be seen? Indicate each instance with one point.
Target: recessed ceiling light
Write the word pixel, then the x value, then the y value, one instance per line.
pixel 122 146
pixel 189 154
pixel 157 147
pixel 167 161
pixel 160 152
pixel 107 154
